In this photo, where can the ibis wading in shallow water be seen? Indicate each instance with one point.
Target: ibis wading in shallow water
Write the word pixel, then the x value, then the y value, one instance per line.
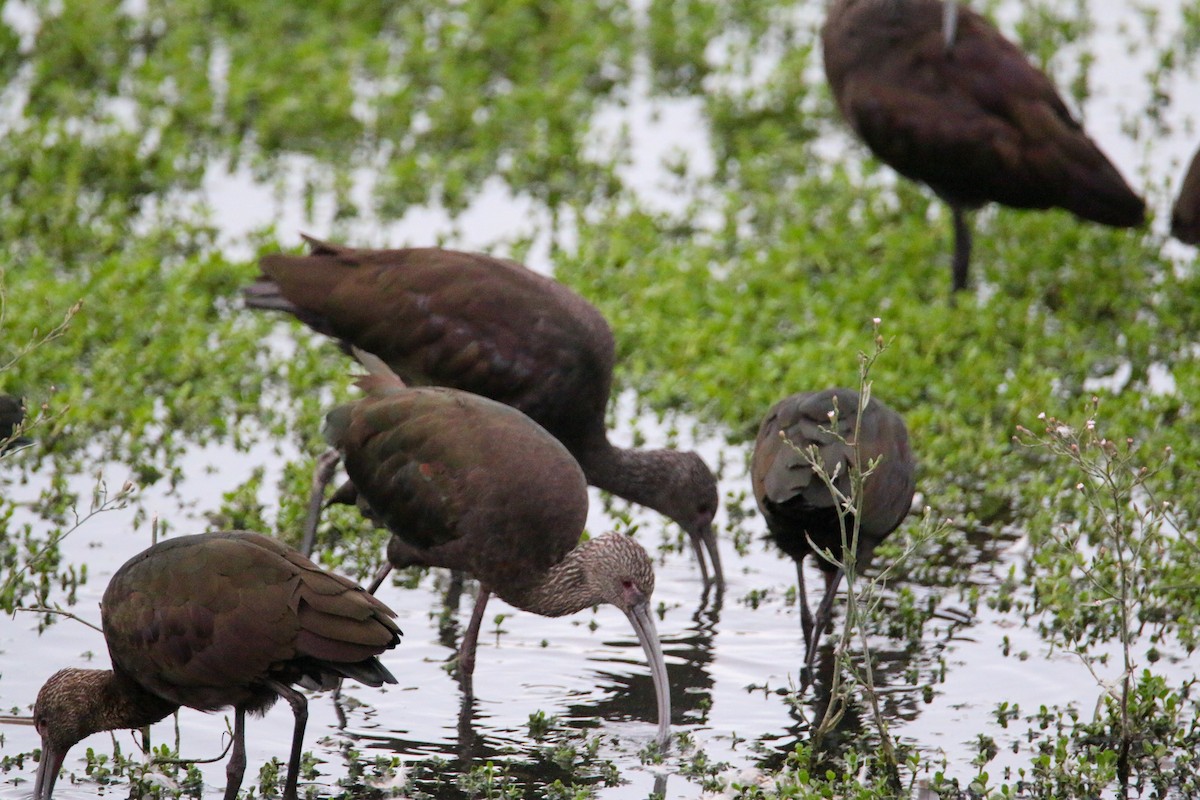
pixel 940 95
pixel 466 483
pixel 494 328
pixel 798 504
pixel 212 621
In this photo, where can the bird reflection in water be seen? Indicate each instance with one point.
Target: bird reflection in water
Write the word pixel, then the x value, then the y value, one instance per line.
pixel 903 674
pixel 453 767
pixel 690 656
pixel 621 695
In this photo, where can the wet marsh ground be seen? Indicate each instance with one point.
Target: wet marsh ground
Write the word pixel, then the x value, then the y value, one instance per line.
pixel 680 165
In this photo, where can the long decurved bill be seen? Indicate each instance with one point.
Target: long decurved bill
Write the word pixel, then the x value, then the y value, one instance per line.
pixel 705 536
pixel 47 774
pixel 643 625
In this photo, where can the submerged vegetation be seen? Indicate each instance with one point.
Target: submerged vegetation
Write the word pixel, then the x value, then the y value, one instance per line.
pixel 1052 411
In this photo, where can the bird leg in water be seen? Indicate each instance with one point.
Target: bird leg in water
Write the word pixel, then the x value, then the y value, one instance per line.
pixel 236 767
pixel 466 649
pixel 326 464
pixel 806 621
pixel 962 247
pixel 824 616
pixel 300 711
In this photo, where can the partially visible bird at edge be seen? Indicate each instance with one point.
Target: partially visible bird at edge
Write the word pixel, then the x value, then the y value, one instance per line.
pixel 12 414
pixel 211 621
pixel 940 95
pixel 1185 214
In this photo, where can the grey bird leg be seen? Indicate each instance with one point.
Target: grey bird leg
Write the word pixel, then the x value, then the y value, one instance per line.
pixel 466 650
pixel 300 711
pixel 806 620
pixel 338 708
pixel 824 615
pixel 236 767
pixel 326 464
pixel 962 248
pixel 380 577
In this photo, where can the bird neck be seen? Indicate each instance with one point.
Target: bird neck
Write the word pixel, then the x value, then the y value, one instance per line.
pixel 565 588
pixel 129 704
pixel 639 476
pixel 110 700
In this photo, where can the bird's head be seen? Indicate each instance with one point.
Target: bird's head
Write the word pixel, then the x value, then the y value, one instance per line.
pixel 68 709
pixel 619 571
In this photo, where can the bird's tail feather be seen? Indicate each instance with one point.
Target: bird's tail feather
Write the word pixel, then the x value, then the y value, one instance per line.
pixel 381 379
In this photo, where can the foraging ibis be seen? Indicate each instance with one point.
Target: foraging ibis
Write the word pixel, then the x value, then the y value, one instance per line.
pixel 937 93
pixel 211 621
pixel 797 503
pixel 494 328
pixel 469 484
pixel 1185 215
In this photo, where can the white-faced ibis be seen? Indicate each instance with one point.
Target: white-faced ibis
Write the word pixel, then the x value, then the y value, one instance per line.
pixel 797 503
pixel 1185 216
pixel 494 328
pixel 12 414
pixel 212 621
pixel 469 484
pixel 940 95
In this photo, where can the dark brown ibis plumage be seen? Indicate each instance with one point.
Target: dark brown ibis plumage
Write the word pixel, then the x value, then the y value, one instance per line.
pixel 494 328
pixel 1185 215
pixel 469 484
pixel 796 501
pixel 212 621
pixel 937 93
pixel 12 414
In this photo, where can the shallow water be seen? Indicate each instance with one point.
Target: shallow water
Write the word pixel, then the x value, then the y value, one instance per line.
pixel 731 664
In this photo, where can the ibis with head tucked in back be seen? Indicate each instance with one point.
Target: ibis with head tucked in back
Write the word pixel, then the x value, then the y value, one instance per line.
pixel 938 94
pixel 212 621
pixel 497 329
pixel 469 484
pixel 826 430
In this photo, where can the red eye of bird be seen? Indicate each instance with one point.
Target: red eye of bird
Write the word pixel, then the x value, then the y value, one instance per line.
pixel 627 584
